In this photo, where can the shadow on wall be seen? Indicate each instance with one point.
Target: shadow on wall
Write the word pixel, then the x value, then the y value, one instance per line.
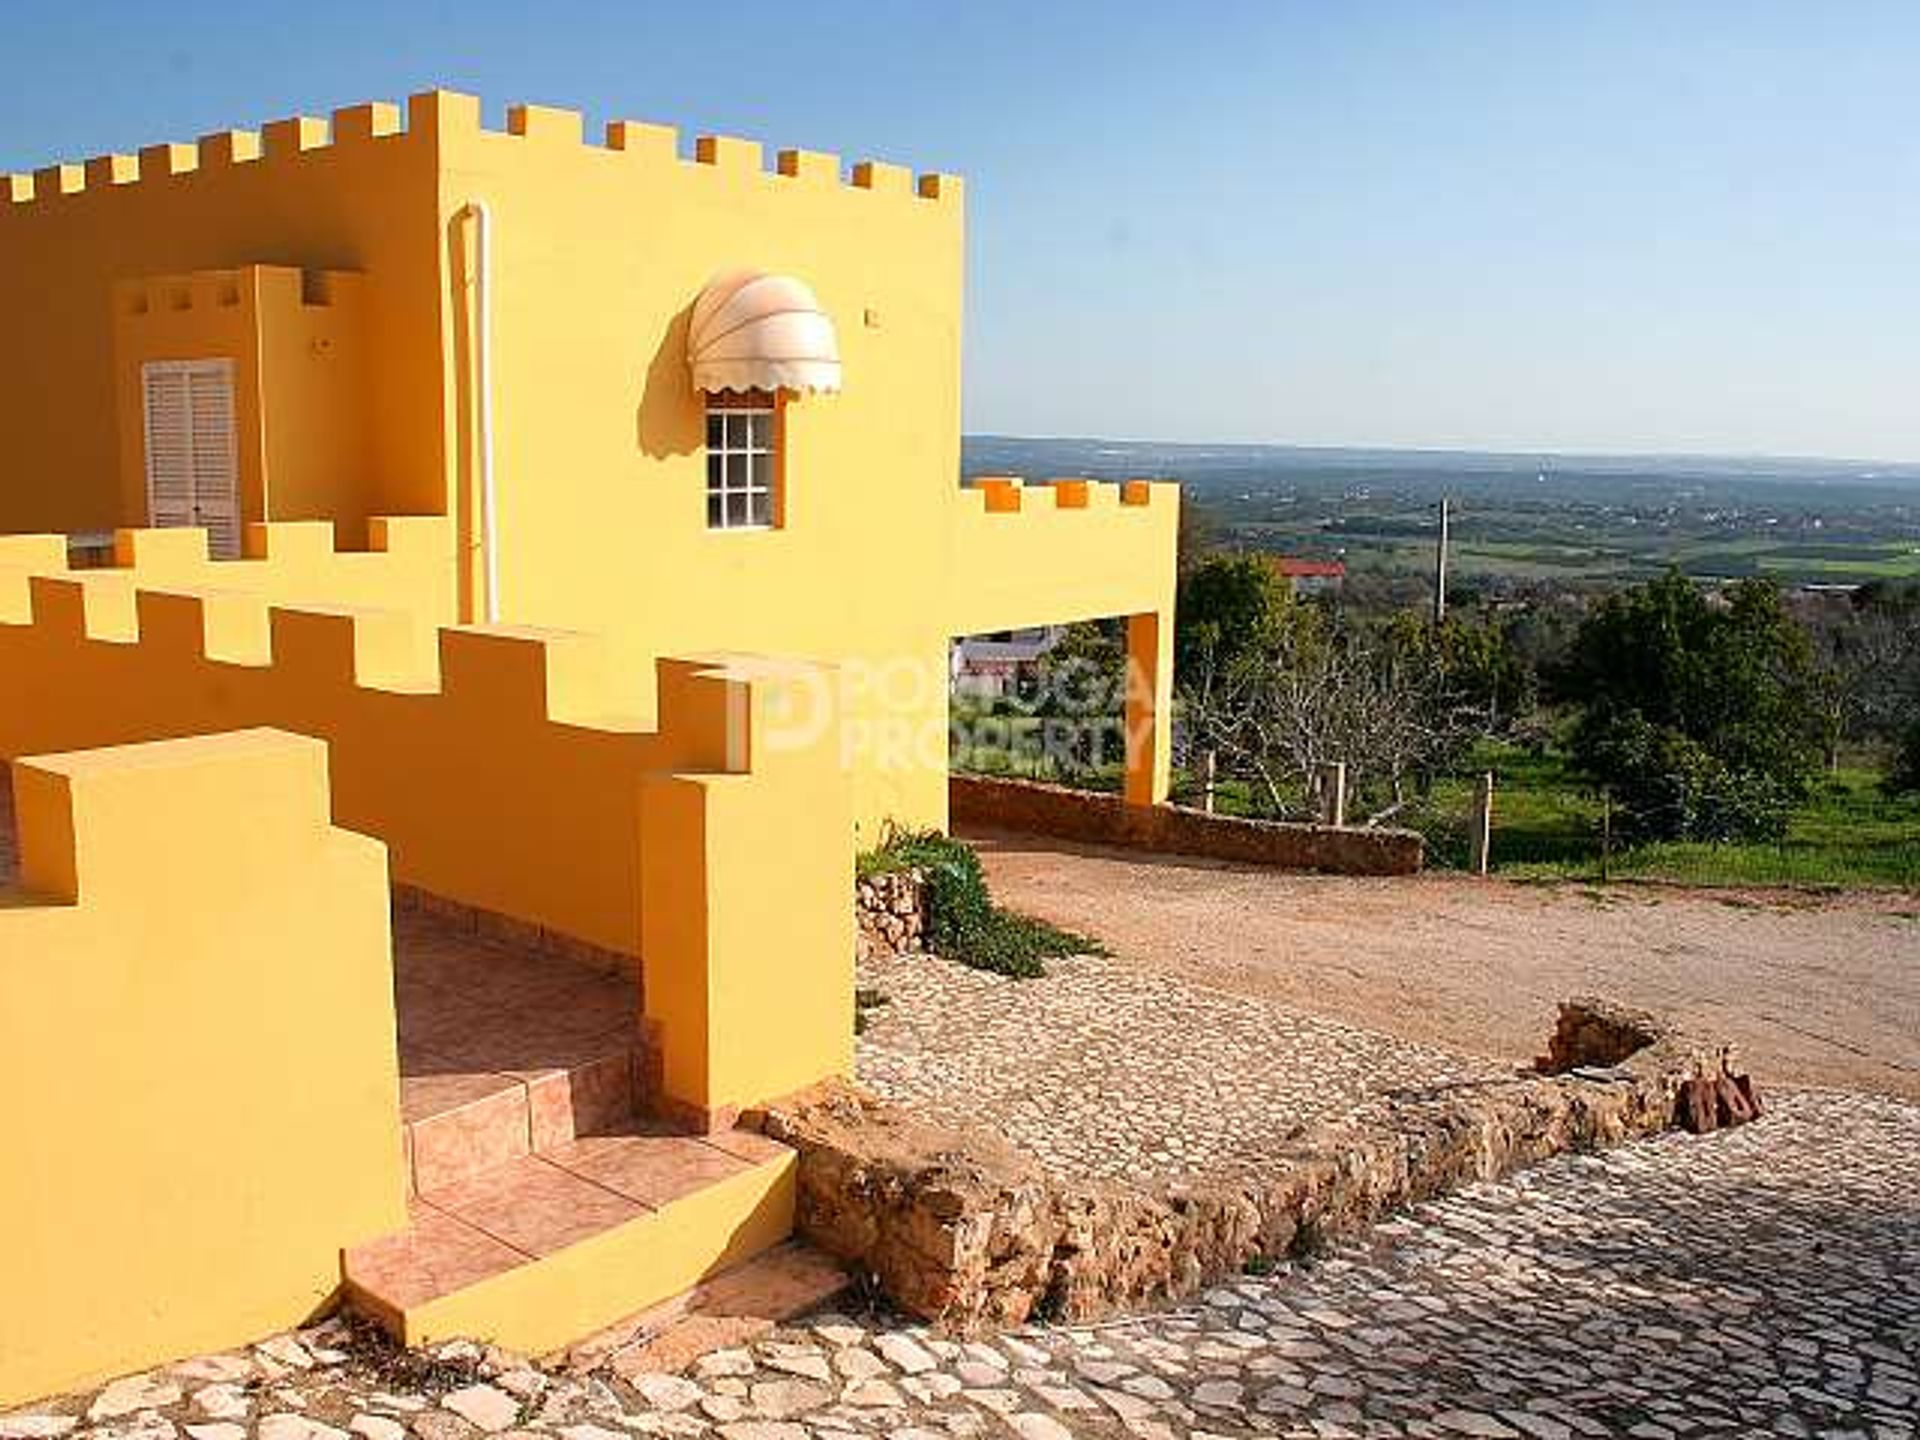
pixel 668 422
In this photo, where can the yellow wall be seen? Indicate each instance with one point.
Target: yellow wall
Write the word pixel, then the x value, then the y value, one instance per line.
pixel 599 249
pixel 197 1050
pixel 408 567
pixel 359 197
pixel 497 775
pixel 303 382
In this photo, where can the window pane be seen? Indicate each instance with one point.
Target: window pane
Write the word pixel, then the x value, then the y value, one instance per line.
pixel 716 512
pixel 716 431
pixel 760 430
pixel 760 506
pixel 736 432
pixel 714 473
pixel 737 508
pixel 761 471
pixel 736 472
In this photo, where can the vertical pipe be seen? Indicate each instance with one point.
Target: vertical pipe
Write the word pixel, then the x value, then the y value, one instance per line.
pixel 483 401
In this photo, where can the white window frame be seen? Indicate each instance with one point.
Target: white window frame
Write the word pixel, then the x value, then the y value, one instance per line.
pixel 739 433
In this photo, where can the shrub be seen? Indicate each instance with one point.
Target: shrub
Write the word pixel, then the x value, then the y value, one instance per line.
pixel 963 923
pixel 1904 778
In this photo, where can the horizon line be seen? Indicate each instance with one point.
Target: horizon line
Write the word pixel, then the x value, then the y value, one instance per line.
pixel 1523 453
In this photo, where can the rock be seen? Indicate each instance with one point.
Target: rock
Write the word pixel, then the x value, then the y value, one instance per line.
pixel 523 1382
pixel 762 1430
pixel 858 1364
pixel 287 1351
pixel 439 1425
pixel 905 1353
pixel 35 1427
pixel 217 1368
pixel 779 1399
pixel 377 1427
pixel 724 1362
pixel 723 1408
pixel 145 1426
pixel 1032 1425
pixel 875 1394
pixel 221 1402
pixel 808 1365
pixel 667 1392
pixel 218 1430
pixel 296 1427
pixel 131 1393
pixel 484 1406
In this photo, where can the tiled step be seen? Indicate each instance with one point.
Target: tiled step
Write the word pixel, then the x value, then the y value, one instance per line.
pixel 461 1122
pixel 503 1052
pixel 542 1250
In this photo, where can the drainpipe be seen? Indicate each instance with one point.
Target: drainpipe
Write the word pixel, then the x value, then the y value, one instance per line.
pixel 483 401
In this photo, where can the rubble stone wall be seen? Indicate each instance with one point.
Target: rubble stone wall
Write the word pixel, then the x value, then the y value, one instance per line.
pixel 963 1230
pixel 1101 819
pixel 891 911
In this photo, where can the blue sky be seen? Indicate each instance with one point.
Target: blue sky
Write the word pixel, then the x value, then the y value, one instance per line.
pixel 1614 226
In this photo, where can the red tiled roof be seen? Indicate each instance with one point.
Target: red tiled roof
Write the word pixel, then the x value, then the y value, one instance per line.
pixel 1289 566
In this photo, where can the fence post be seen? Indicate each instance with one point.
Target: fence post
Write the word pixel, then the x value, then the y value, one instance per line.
pixel 1481 840
pixel 1606 833
pixel 1210 771
pixel 1333 793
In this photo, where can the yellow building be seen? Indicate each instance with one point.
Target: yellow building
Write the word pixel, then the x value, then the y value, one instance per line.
pixel 597 505
pixel 408 313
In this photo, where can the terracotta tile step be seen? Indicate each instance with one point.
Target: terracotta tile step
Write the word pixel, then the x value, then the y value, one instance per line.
pixel 539 1251
pixel 460 1121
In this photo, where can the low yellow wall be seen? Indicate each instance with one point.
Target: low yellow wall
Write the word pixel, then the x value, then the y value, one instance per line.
pixel 197 1054
pixel 493 770
pixel 407 565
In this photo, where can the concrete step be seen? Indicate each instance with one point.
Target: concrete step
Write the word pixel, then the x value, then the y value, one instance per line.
pixel 734 1308
pixel 544 1249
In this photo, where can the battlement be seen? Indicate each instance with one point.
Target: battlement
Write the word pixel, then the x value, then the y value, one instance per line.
pixel 277 285
pixel 437 117
pixel 407 568
pixel 1013 495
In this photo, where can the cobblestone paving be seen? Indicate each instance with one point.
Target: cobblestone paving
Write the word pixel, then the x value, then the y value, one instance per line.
pixel 1103 1071
pixel 1758 1282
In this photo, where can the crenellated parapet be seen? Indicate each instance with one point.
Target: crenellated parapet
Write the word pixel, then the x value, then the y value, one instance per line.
pixel 1051 551
pixel 407 566
pixel 438 117
pixel 291 140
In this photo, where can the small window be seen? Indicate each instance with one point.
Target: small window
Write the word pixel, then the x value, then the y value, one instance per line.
pixel 742 449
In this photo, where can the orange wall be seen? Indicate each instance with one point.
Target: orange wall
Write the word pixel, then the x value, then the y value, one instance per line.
pixel 197 1050
pixel 497 777
pixel 68 234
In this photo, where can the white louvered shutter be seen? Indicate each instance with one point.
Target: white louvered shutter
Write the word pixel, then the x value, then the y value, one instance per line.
pixel 192 460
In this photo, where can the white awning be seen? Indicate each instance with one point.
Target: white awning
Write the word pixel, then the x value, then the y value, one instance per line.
pixel 755 331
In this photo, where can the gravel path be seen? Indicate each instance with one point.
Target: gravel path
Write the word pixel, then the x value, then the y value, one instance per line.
pixel 1817 990
pixel 1755 1282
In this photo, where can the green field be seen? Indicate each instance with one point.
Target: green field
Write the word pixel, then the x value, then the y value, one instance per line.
pixel 1548 826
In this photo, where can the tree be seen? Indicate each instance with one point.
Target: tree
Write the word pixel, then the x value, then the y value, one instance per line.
pixel 1701 717
pixel 1302 690
pixel 1224 602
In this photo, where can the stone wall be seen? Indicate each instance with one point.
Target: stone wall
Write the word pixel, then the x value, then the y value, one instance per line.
pixel 1102 819
pixel 961 1229
pixel 891 911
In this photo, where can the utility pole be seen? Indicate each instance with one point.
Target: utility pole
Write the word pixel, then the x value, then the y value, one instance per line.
pixel 1440 564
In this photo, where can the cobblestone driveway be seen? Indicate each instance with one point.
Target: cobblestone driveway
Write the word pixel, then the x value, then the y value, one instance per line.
pixel 1758 1282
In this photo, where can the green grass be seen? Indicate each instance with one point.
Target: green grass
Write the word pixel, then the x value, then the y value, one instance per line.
pixel 1546 826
